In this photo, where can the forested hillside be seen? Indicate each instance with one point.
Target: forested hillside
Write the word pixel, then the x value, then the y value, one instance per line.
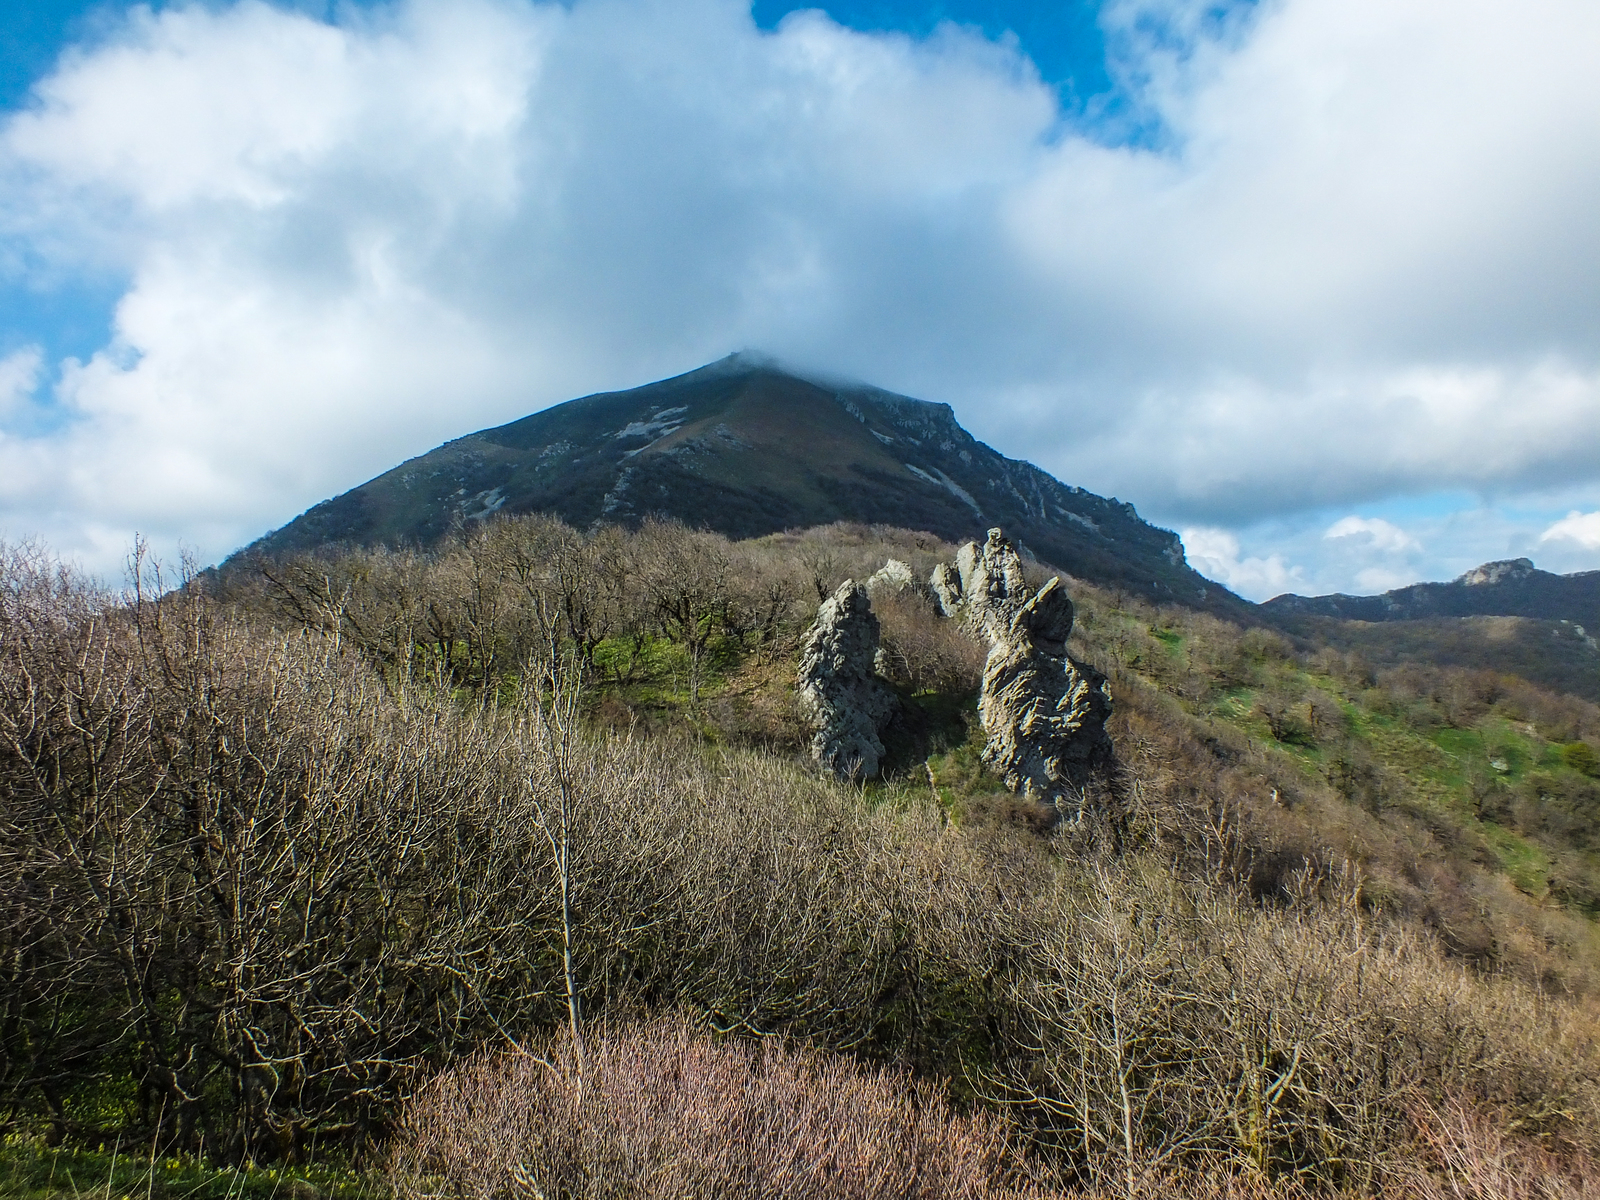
pixel 501 869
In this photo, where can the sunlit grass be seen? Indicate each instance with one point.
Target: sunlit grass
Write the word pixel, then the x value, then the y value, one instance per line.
pixel 30 1170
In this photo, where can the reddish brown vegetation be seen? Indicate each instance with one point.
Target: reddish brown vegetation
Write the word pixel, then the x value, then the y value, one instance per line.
pixel 661 1112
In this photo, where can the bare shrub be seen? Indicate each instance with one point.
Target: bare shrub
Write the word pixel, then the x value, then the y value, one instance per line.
pixel 565 585
pixel 269 890
pixel 1198 1182
pixel 1469 1154
pixel 1178 1026
pixel 234 866
pixel 768 601
pixel 830 554
pixel 373 601
pixel 924 650
pixel 1290 718
pixel 658 1110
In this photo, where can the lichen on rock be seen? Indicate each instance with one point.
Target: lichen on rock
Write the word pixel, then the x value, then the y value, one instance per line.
pixel 840 694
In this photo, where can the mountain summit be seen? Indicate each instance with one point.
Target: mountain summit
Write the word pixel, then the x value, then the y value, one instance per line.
pixel 746 448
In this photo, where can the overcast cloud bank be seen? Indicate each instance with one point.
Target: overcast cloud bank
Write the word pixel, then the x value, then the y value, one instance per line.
pixel 1357 264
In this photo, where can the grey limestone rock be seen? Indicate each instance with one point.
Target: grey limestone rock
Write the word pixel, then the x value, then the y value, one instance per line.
pixel 984 587
pixel 1044 715
pixel 1043 712
pixel 946 585
pixel 893 576
pixel 839 693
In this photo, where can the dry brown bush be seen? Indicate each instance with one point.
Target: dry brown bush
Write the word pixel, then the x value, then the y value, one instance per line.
pixel 1466 1153
pixel 272 888
pixel 663 1111
pixel 1177 1025
pixel 1199 1182
pixel 830 554
pixel 922 649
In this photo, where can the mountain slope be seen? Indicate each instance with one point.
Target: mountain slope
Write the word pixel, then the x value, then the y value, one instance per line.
pixel 748 449
pixel 1560 655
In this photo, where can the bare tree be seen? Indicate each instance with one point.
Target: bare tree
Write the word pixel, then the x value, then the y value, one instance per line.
pixel 552 792
pixel 688 578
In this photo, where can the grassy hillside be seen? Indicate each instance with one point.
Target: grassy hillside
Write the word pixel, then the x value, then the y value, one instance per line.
pixel 276 855
pixel 1464 799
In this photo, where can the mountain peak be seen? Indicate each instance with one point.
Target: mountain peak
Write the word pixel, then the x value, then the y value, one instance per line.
pixel 748 446
pixel 741 362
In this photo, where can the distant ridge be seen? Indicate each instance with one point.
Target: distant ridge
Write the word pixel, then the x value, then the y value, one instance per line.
pixel 747 448
pixel 1507 588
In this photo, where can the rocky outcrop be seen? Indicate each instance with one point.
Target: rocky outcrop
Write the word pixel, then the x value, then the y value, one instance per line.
pixel 840 694
pixel 984 587
pixel 1043 712
pixel 946 585
pixel 1491 573
pixel 893 576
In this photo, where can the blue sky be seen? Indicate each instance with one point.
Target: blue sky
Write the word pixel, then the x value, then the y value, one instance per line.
pixel 31 37
pixel 66 315
pixel 1316 283
pixel 1063 40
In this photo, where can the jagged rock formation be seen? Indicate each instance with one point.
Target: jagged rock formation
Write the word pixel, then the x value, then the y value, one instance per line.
pixel 1044 713
pixel 839 692
pixel 984 588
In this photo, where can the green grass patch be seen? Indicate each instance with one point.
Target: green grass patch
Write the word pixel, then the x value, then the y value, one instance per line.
pixel 1524 863
pixel 29 1170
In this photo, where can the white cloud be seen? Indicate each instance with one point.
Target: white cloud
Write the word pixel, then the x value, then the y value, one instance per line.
pixel 1378 534
pixel 1215 553
pixel 1362 262
pixel 19 378
pixel 1580 529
